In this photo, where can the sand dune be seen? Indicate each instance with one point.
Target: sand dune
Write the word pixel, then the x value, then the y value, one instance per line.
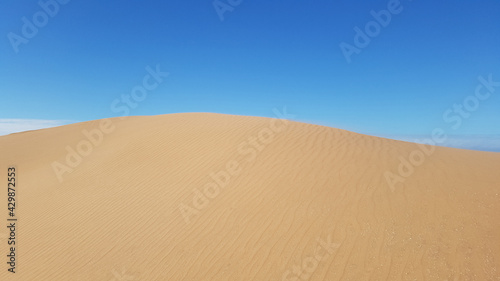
pixel 201 196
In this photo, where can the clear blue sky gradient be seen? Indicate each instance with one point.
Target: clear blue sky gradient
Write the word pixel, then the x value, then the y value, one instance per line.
pixel 264 54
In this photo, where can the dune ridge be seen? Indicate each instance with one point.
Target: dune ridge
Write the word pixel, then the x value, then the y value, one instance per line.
pixel 200 196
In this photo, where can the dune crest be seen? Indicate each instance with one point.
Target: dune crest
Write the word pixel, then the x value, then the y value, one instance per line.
pixel 199 196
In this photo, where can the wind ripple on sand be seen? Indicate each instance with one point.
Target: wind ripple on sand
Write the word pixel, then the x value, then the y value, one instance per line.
pixel 116 216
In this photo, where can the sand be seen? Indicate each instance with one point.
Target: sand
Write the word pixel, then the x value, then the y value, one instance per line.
pixel 200 196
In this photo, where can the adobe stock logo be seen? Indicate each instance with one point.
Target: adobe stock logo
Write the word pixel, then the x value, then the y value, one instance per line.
pixel 30 28
pixel 221 7
pixel 305 269
pixel 455 115
pixel 84 148
pixel 372 29
pixel 221 179
pixel 95 137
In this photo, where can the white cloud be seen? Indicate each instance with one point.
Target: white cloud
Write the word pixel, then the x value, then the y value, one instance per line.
pixel 474 142
pixel 488 143
pixel 9 126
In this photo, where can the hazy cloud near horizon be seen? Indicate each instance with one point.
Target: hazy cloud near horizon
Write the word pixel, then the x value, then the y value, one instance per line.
pixel 474 142
pixel 9 126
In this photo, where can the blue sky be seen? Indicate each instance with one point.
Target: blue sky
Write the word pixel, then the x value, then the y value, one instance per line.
pixel 262 55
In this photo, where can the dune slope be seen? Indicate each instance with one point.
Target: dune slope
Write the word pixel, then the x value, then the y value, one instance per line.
pixel 201 196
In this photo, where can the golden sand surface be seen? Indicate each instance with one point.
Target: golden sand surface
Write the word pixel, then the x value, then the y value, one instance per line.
pixel 202 196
